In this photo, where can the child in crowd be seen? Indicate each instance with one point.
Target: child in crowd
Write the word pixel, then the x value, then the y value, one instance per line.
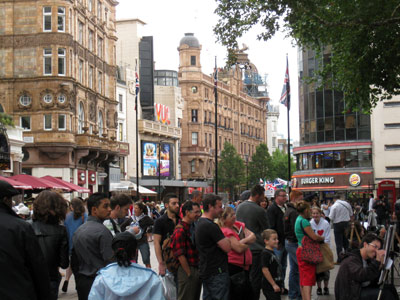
pixel 125 280
pixel 322 228
pixel 272 281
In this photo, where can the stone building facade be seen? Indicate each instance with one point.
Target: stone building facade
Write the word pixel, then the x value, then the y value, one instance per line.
pixel 58 80
pixel 241 119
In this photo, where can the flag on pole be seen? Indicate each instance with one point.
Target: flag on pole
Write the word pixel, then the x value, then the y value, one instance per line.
pixel 285 96
pixel 137 86
pixel 215 79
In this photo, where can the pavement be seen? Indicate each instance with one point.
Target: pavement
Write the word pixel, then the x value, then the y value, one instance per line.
pixel 71 293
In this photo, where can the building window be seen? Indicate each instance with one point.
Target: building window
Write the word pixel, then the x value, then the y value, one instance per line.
pixel 393 168
pixel 192 60
pixel 90 5
pixel 61 19
pixel 61 98
pixel 47 98
pixel 194 115
pixel 205 140
pixel 194 138
pixel 99 10
pixel 120 99
pixel 101 124
pixel 80 74
pixel 100 47
pixel 61 61
pixel 90 77
pixel 121 131
pixel 62 122
pixel 100 82
pixel 46 18
pixel 47 61
pixel 25 122
pixel 81 118
pixel 210 139
pixel 25 100
pixel 90 40
pixel 47 122
pixel 193 166
pixel 80 33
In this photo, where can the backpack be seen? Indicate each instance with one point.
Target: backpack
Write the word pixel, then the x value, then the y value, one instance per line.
pixel 167 254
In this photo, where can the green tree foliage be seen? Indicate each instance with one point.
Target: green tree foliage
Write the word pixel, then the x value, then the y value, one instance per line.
pixel 280 165
pixel 6 120
pixel 260 165
pixel 364 37
pixel 231 169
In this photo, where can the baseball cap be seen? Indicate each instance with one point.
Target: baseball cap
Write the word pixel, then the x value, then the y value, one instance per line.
pixel 7 190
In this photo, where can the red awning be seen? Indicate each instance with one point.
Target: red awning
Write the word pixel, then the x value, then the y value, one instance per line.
pixel 39 183
pixel 71 186
pixel 16 184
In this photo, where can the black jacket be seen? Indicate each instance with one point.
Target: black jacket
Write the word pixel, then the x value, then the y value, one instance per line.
pixel 289 220
pixel 352 273
pixel 53 241
pixel 275 219
pixel 22 276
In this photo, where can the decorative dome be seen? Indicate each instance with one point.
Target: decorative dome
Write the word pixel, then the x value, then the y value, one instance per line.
pixel 190 40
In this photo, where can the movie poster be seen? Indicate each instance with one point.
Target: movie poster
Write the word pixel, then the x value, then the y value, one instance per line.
pixel 151 159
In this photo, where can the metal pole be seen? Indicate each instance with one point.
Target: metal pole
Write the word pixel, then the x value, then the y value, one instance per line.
pixel 137 134
pixel 216 125
pixel 159 171
pixel 288 121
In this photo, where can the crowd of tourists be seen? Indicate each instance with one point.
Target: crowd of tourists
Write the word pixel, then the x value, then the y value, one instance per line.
pixel 235 250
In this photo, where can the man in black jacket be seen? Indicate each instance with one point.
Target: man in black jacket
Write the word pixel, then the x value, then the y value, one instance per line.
pixel 23 275
pixel 360 270
pixel 275 215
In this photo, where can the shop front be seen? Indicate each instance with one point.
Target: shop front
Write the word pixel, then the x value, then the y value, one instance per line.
pixel 356 184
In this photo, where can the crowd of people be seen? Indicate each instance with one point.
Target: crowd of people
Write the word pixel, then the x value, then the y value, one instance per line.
pixel 225 251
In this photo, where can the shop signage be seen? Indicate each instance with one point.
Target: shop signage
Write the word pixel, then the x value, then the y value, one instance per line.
pixel 317 180
pixel 355 180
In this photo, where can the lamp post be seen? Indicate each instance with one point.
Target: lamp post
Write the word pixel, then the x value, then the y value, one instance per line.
pixel 159 170
pixel 246 159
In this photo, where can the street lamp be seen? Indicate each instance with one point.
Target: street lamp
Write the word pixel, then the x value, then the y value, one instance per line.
pixel 159 170
pixel 246 159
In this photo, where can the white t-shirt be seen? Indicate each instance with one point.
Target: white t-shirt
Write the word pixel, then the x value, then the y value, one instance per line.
pixel 322 228
pixel 341 211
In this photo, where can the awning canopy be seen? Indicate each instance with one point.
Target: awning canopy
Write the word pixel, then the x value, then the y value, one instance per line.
pixel 130 186
pixel 69 185
pixel 39 183
pixel 16 184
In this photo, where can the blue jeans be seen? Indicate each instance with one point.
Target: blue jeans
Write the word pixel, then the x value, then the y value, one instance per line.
pixel 282 258
pixel 294 281
pixel 216 287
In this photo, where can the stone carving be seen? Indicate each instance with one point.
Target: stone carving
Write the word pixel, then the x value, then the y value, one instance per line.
pixel 92 111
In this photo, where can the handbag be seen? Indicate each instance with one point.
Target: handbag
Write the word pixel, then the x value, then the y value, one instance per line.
pixel 240 280
pixel 311 251
pixel 327 262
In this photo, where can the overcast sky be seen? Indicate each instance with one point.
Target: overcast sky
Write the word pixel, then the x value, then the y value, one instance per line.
pixel 168 21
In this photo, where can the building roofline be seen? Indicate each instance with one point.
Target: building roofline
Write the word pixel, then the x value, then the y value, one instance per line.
pixel 130 21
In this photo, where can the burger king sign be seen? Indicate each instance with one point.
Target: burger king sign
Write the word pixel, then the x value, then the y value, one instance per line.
pixel 355 180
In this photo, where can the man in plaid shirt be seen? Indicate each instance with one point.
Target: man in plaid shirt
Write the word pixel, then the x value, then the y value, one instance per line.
pixel 189 284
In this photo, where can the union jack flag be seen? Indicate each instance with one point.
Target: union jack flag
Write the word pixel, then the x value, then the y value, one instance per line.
pixel 285 96
pixel 137 84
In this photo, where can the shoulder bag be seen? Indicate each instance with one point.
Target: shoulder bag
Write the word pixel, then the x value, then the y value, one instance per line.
pixel 311 251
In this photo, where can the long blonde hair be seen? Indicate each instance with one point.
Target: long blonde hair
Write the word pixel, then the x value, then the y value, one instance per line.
pixel 227 212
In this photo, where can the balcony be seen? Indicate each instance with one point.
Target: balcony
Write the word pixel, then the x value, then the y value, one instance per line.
pixel 156 128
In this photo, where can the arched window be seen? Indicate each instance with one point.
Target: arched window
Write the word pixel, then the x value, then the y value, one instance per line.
pixel 101 124
pixel 81 118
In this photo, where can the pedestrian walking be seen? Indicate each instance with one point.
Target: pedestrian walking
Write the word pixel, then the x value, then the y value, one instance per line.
pixel 23 275
pixel 49 211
